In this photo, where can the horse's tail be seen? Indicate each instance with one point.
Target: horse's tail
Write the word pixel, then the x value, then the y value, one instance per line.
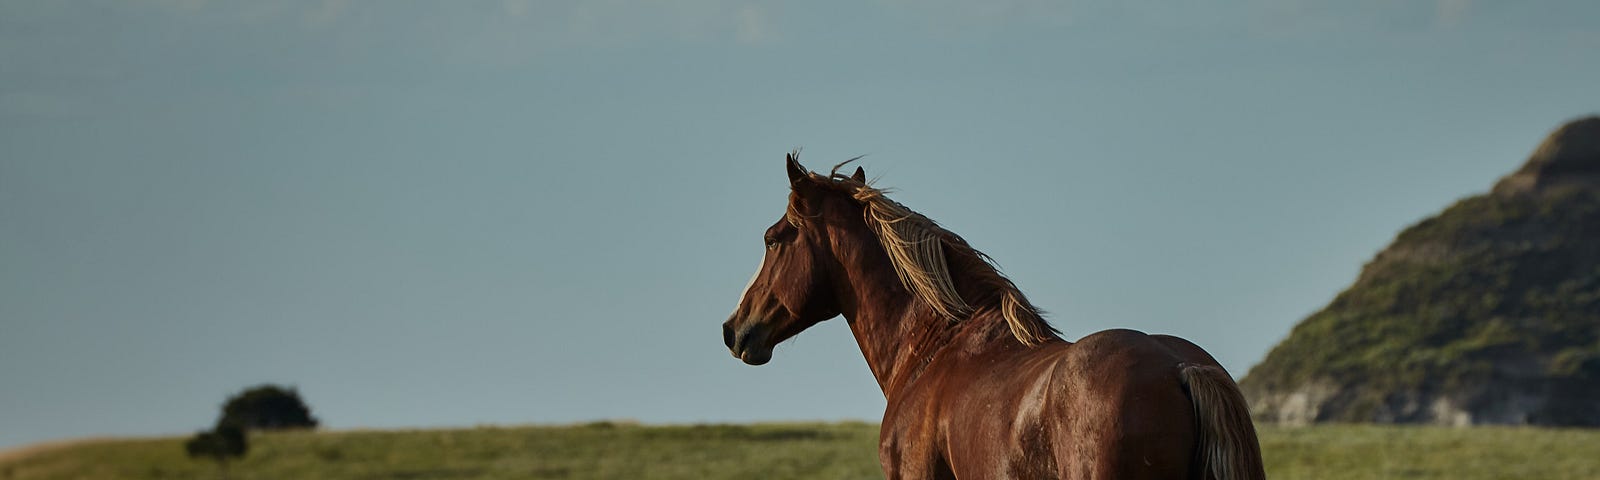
pixel 1227 447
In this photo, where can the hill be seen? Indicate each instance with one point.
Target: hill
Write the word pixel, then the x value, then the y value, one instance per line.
pixel 1487 313
pixel 777 451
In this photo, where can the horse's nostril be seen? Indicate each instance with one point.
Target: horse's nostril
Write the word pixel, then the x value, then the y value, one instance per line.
pixel 727 335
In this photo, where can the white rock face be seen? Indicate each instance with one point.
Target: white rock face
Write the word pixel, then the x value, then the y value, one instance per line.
pixel 1302 406
pixel 1321 401
pixel 1447 413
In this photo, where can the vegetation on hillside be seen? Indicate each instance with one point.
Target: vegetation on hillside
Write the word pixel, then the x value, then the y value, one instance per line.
pixel 268 407
pixel 777 451
pixel 220 445
pixel 1499 290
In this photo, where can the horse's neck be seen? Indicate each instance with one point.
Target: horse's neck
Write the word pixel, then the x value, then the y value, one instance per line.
pixel 896 333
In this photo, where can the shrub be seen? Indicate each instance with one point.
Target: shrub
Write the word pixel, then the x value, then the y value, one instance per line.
pixel 218 444
pixel 267 407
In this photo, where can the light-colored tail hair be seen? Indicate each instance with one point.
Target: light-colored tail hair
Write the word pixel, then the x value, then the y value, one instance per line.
pixel 1228 448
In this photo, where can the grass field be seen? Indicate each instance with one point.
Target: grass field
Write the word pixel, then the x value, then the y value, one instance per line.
pixel 770 451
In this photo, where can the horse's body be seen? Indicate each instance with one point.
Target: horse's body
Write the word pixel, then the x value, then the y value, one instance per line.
pixel 1060 410
pixel 978 386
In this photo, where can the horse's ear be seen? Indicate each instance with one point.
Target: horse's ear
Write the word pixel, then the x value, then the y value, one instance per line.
pixel 796 171
pixel 859 176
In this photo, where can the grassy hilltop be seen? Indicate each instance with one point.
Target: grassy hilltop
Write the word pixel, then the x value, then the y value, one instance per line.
pixel 1494 297
pixel 774 451
pixel 1487 313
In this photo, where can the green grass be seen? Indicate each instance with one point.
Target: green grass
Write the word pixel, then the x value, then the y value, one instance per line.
pixel 597 450
pixel 1397 452
pixel 776 451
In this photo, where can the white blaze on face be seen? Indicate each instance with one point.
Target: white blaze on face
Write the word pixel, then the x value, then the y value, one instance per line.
pixel 751 283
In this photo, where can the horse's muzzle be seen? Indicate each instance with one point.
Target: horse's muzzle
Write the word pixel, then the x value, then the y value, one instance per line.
pixel 748 344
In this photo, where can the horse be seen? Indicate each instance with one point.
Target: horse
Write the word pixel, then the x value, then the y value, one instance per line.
pixel 978 385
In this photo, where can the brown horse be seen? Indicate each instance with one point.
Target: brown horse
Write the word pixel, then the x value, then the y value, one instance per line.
pixel 978 384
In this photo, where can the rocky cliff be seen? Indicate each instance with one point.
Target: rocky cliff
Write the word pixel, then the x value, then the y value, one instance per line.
pixel 1487 313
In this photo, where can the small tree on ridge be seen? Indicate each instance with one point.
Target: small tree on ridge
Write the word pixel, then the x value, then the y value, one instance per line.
pixel 267 407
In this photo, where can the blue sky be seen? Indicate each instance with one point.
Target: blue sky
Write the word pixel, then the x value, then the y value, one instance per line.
pixel 448 214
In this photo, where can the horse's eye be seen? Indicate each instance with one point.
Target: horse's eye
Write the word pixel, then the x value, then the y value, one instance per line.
pixel 771 242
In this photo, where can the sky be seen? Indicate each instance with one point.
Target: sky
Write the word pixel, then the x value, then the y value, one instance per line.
pixel 431 214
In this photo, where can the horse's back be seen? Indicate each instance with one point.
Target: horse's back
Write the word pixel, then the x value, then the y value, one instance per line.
pixel 1111 405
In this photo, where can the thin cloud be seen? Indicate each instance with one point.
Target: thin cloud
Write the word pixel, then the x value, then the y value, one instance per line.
pixel 324 14
pixel 517 8
pixel 552 23
pixel 619 22
pixel 752 26
pixel 1451 13
pixel 957 16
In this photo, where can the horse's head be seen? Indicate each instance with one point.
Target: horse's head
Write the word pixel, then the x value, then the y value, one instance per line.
pixel 794 287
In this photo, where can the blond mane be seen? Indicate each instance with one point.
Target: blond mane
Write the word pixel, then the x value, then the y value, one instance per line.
pixel 916 246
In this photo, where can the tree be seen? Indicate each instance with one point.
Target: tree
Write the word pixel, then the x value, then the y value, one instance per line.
pixel 267 407
pixel 219 444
